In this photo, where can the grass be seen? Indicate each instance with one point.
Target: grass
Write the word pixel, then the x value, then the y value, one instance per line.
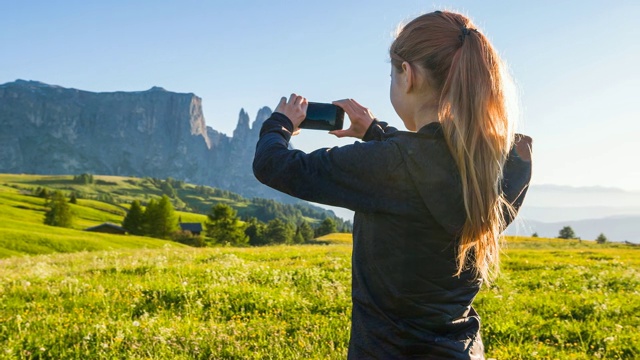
pixel 22 231
pixel 555 299
pixel 81 295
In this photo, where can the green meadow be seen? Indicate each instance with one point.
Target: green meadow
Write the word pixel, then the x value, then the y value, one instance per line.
pixel 70 294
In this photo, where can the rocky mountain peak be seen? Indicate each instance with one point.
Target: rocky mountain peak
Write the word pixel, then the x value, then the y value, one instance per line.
pixel 49 129
pixel 157 88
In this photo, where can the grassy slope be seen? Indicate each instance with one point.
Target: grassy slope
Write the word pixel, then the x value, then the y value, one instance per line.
pixel 22 231
pixel 125 190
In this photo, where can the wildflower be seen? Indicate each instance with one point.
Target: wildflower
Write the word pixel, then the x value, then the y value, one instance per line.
pixel 136 323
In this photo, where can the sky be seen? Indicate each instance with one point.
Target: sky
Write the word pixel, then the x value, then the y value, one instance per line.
pixel 576 63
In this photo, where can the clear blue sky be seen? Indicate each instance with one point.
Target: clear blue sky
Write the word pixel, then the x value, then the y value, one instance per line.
pixel 577 63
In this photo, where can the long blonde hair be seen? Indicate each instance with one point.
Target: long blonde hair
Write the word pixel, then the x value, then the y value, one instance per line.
pixel 474 101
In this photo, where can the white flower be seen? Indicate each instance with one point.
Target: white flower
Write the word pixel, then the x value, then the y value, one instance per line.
pixel 136 323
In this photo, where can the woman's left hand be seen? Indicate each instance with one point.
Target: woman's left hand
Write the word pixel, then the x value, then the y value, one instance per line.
pixel 295 109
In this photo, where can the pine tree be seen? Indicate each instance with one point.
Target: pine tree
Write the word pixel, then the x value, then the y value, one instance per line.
pixel 161 219
pixel 150 217
pixel 601 239
pixel 306 231
pixel 327 226
pixel 567 233
pixel 59 212
pixel 279 232
pixel 134 221
pixel 224 227
pixel 73 199
pixel 43 193
pixel 255 231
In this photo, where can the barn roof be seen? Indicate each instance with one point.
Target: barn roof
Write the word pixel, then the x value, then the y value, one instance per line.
pixel 106 225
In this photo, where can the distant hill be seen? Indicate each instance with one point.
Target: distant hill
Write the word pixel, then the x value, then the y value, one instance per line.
pixel 615 228
pixel 107 200
pixel 549 203
pixel 588 210
pixel 116 192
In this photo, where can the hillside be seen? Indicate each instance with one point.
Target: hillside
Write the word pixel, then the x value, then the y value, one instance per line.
pixel 23 233
pixel 106 200
pixel 119 191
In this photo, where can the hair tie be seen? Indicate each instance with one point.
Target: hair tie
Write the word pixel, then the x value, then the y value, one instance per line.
pixel 465 31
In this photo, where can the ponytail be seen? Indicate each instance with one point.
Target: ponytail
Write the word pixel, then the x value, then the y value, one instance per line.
pixel 474 113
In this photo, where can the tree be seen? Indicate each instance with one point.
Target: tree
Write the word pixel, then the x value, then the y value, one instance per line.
pixel 255 231
pixel 134 221
pixel 160 220
pixel 223 226
pixel 73 199
pixel 83 179
pixel 279 232
pixel 168 189
pixel 43 193
pixel 59 212
pixel 567 233
pixel 601 239
pixel 327 226
pixel 535 234
pixel 305 230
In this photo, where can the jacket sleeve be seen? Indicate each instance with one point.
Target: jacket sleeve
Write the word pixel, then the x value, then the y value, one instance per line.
pixel 351 176
pixel 517 173
pixel 378 131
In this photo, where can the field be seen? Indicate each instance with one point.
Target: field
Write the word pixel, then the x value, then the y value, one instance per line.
pixel 22 231
pixel 556 299
pixel 70 294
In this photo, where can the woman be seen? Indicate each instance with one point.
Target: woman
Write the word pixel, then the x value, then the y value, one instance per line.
pixel 430 203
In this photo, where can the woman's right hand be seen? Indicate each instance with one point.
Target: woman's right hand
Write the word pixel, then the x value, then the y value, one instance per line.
pixel 295 110
pixel 360 117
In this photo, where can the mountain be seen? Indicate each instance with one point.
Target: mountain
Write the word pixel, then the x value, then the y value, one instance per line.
pixel 615 228
pixel 588 210
pixel 49 129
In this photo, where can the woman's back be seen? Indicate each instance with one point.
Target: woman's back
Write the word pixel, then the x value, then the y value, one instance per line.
pixel 430 205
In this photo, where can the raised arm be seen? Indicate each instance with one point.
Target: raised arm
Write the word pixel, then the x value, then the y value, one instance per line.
pixel 352 176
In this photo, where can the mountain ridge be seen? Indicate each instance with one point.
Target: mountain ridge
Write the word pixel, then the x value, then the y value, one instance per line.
pixel 50 129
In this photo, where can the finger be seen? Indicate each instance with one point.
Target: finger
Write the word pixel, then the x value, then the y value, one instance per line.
pixel 283 100
pixel 292 98
pixel 305 105
pixel 340 103
pixel 356 103
pixel 298 100
pixel 339 133
pixel 349 108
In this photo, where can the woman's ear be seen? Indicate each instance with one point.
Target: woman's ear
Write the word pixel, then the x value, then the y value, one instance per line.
pixel 407 77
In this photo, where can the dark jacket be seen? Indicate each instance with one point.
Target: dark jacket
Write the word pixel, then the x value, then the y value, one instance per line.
pixel 406 192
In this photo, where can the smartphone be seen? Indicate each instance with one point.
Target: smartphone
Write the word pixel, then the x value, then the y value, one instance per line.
pixel 323 117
